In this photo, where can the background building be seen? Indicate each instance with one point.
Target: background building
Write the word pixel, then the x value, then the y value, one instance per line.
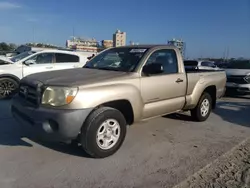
pixel 133 43
pixel 88 45
pixel 119 38
pixel 180 44
pixel 107 43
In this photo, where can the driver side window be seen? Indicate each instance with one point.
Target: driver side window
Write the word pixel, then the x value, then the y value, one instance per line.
pixel 166 57
pixel 43 58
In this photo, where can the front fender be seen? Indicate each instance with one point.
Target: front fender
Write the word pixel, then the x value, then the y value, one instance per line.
pixel 12 71
pixel 95 96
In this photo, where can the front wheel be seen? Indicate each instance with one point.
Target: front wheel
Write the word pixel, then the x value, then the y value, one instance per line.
pixel 103 132
pixel 203 109
pixel 8 87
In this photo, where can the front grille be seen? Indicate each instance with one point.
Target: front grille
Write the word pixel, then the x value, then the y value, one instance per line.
pixel 30 93
pixel 236 79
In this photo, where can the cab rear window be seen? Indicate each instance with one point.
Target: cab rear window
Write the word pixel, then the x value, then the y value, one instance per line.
pixel 190 63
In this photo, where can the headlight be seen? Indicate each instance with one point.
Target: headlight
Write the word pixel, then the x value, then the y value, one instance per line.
pixel 247 78
pixel 58 96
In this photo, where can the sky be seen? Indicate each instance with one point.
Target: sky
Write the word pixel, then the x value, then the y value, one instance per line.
pixel 207 27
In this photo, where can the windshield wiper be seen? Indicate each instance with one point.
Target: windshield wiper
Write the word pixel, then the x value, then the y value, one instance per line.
pixel 103 68
pixel 88 67
pixel 107 68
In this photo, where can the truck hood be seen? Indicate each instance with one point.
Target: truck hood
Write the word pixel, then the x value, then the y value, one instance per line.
pixel 5 60
pixel 237 72
pixel 75 77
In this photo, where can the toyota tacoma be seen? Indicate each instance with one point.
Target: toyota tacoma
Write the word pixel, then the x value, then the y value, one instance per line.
pixel 94 104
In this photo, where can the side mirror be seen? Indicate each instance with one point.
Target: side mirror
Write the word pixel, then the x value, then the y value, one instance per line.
pixel 153 68
pixel 29 62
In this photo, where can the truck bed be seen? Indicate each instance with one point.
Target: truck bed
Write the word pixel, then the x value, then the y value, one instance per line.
pixel 199 70
pixel 197 80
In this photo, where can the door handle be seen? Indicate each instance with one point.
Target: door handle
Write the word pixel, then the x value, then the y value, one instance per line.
pixel 179 80
pixel 49 67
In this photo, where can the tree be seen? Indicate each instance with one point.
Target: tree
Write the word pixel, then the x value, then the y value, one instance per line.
pixel 12 46
pixel 39 45
pixel 4 47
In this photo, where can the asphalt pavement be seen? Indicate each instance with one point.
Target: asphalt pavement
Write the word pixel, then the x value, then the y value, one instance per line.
pixel 162 152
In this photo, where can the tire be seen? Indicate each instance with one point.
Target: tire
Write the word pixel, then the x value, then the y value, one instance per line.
pixel 197 113
pixel 8 88
pixel 74 143
pixel 93 144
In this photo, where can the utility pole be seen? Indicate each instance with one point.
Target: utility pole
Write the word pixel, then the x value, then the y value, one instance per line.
pixel 73 33
pixel 227 53
pixel 33 33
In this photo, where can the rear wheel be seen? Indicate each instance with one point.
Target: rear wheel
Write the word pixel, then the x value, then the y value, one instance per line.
pixel 203 109
pixel 103 132
pixel 8 87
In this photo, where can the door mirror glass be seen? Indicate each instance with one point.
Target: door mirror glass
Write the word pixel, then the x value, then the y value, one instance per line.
pixel 29 62
pixel 153 68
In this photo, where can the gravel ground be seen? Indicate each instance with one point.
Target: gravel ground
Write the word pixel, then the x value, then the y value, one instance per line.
pixel 163 152
pixel 230 170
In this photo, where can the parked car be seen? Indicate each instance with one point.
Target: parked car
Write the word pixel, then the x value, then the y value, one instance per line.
pixel 200 64
pixel 118 87
pixel 238 77
pixel 221 65
pixel 30 62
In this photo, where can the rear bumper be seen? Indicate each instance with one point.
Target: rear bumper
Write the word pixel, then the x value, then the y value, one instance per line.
pixel 49 124
pixel 240 88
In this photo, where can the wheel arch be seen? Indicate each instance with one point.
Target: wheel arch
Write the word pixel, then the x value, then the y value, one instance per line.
pixel 119 96
pixel 124 106
pixel 12 76
pixel 193 99
pixel 211 90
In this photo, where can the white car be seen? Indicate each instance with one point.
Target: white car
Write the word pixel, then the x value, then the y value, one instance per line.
pixel 200 64
pixel 12 70
pixel 238 77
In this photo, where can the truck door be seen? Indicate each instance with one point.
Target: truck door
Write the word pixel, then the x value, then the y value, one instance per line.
pixel 164 92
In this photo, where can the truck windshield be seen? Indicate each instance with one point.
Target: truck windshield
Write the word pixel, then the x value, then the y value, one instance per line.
pixel 21 56
pixel 117 59
pixel 241 64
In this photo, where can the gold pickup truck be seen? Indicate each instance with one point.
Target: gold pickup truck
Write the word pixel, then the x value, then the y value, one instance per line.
pixel 93 105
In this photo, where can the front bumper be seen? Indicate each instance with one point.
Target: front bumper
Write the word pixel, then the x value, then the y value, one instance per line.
pixel 240 88
pixel 48 123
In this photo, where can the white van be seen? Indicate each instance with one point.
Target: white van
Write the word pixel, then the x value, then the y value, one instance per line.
pixel 12 70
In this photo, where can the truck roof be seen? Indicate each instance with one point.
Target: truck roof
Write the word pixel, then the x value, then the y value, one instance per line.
pixel 64 51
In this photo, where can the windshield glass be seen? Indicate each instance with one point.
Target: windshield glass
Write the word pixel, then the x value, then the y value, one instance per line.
pixel 117 59
pixel 242 64
pixel 21 56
